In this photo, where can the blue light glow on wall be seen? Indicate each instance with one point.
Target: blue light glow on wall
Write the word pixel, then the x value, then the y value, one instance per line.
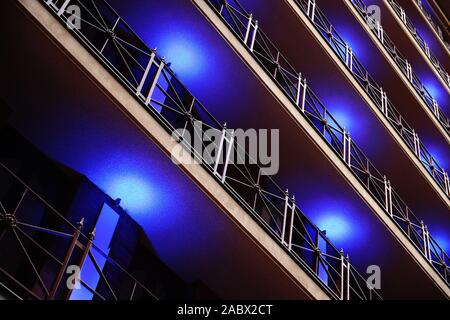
pixel 178 34
pixel 346 119
pixel 104 231
pixel 135 192
pixel 443 240
pixel 438 152
pixel 123 173
pixel 349 37
pixel 339 218
pixel 337 226
pixel 348 111
pixel 436 91
pixel 184 50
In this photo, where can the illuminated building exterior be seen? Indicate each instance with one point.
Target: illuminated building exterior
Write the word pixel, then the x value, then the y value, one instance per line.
pixel 94 90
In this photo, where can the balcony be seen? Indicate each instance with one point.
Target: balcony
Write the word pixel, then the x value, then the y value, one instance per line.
pixel 159 110
pixel 149 78
pixel 248 31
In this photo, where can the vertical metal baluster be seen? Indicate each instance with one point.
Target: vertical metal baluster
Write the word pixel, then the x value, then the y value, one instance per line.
pixel 147 70
pixel 66 260
pixel 285 216
pixel 388 196
pixel 155 81
pixel 342 274
pixel 86 251
pixel 227 159
pixel 255 30
pixel 291 228
pixel 348 277
pixel 62 9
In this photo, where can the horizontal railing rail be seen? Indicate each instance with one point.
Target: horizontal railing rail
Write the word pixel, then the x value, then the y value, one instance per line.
pixel 420 41
pixel 150 79
pixel 403 64
pixel 295 87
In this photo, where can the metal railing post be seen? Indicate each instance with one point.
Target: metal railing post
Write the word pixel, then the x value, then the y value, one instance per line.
pixel 291 226
pixel 147 70
pixel 388 196
pixel 255 30
pixel 349 57
pixel 224 142
pixel 446 183
pixel 285 213
pixel 348 278
pixel 384 102
pixel 416 144
pixel 342 274
pixel 380 32
pixel 427 233
pixel 409 71
pixel 249 25
pixel 288 220
pixel 403 15
pixel 62 9
pixel 436 109
pixel 66 260
pixel 311 9
pixel 250 33
pixel 299 88
pixel 86 250
pixel 347 143
pixel 426 240
pixel 155 81
pixel 305 88
pixel 427 50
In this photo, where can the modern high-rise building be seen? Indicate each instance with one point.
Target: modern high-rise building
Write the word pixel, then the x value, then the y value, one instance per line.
pixel 224 149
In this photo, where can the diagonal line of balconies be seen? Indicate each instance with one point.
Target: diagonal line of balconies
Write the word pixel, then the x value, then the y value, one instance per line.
pixel 149 78
pixel 375 93
pixel 404 67
pixel 433 25
pixel 422 45
pixel 295 88
pixel 64 231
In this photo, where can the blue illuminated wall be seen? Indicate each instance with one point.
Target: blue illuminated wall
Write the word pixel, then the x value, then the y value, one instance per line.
pixel 197 54
pixel 104 230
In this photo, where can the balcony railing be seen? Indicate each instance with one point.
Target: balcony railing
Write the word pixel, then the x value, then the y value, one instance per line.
pixel 403 64
pixel 147 76
pixel 433 24
pixel 375 92
pixel 249 32
pixel 48 247
pixel 420 41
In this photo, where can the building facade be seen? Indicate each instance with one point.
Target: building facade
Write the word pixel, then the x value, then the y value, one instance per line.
pixel 224 149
